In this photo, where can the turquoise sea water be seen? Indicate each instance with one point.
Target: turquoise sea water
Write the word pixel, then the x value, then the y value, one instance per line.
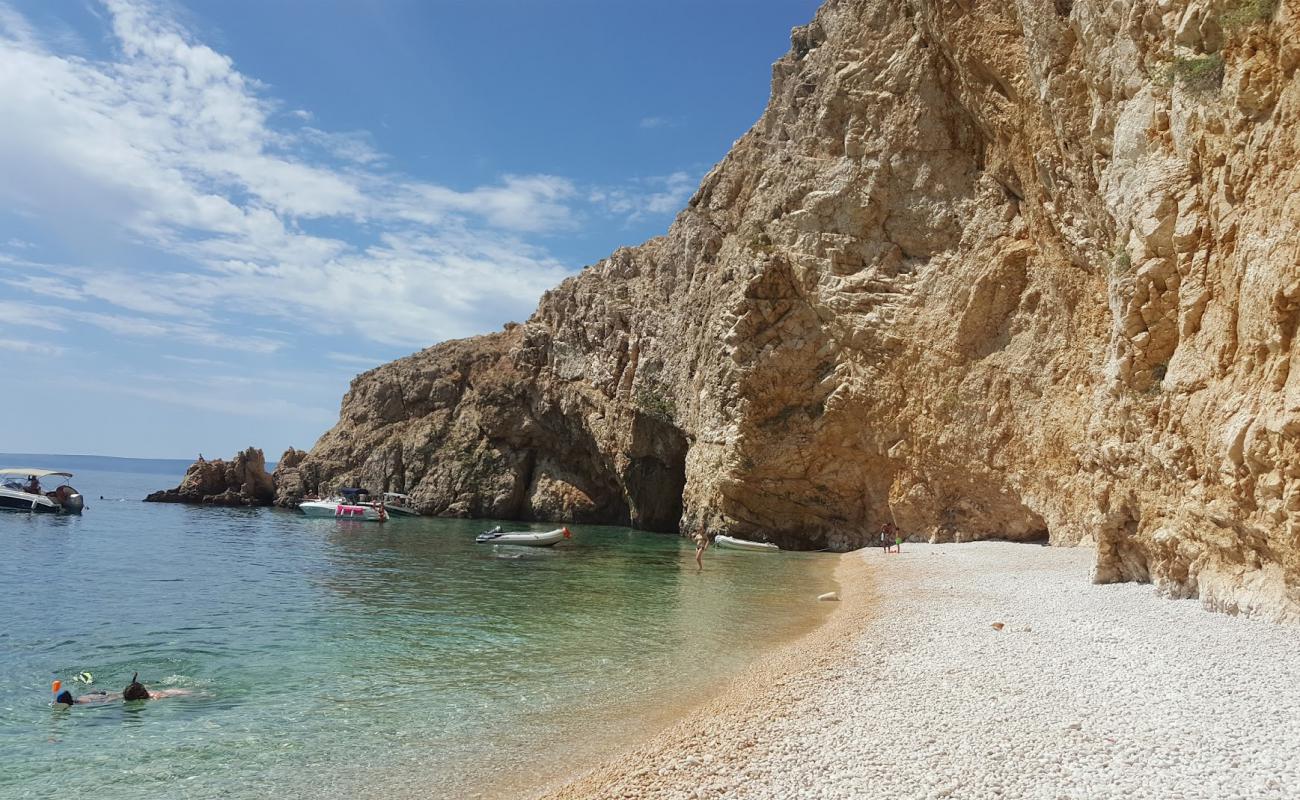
pixel 344 659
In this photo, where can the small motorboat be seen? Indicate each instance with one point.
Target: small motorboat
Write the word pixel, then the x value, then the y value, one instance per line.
pixel 525 538
pixel 399 505
pixel 732 543
pixel 30 497
pixel 340 508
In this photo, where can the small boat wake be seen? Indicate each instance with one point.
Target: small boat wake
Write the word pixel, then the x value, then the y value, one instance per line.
pixel 508 552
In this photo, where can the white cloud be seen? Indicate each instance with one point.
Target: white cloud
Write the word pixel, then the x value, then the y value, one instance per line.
pixel 196 362
pixel 34 348
pixel 354 360
pixel 42 285
pixel 658 122
pixel 355 146
pixel 19 317
pixel 531 203
pixel 14 26
pixel 173 145
pixel 169 146
pixel 235 402
pixel 664 194
pixel 58 319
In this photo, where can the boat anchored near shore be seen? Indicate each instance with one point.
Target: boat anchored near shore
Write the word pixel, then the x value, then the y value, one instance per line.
pixel 732 543
pixel 354 503
pixel 340 508
pixel 18 496
pixel 400 505
pixel 524 538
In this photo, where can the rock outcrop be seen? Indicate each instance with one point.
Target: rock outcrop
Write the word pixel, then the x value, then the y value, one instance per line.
pixel 1015 269
pixel 287 477
pixel 242 481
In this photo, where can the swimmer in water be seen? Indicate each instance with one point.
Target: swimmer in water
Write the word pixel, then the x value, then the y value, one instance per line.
pixel 135 691
pixel 64 697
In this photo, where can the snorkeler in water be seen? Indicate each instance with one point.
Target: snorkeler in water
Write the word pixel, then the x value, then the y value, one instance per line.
pixel 135 691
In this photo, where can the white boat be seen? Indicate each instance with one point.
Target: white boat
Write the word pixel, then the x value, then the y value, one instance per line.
pixel 399 505
pixel 340 508
pixel 732 543
pixel 525 538
pixel 17 494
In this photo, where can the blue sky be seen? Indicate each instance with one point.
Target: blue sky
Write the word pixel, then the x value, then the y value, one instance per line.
pixel 213 215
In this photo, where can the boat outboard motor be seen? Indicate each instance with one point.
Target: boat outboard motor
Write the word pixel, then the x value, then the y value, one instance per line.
pixel 69 499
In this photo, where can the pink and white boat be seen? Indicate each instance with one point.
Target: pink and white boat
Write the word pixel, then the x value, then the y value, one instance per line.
pixel 340 508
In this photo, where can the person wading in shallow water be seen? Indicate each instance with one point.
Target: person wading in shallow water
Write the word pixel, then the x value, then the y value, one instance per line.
pixel 701 544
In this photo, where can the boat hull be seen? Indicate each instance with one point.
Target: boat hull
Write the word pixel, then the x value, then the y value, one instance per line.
pixel 399 511
pixel 732 543
pixel 31 503
pixel 18 496
pixel 328 508
pixel 523 538
pixel 69 503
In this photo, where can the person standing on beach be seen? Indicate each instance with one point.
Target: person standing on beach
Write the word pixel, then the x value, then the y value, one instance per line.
pixel 890 537
pixel 701 544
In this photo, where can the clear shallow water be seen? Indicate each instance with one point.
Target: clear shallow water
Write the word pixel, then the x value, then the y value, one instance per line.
pixel 342 659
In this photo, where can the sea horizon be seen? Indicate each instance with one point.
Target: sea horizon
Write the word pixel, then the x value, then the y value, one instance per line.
pixel 72 461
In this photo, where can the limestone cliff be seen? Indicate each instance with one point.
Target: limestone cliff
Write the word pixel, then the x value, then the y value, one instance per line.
pixel 241 481
pixel 1018 269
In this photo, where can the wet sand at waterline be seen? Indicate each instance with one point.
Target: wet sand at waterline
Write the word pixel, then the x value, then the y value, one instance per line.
pixel 586 738
pixel 908 690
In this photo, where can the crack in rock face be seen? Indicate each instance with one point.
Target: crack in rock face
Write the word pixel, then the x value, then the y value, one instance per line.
pixel 1025 271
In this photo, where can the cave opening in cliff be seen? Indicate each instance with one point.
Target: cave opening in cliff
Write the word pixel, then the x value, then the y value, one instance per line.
pixel 656 475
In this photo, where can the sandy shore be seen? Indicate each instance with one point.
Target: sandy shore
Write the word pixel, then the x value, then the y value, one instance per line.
pixel 908 691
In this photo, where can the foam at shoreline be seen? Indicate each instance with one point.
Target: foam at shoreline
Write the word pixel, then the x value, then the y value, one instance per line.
pixel 909 691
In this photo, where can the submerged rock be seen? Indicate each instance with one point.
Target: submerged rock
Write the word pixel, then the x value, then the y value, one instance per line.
pixel 242 481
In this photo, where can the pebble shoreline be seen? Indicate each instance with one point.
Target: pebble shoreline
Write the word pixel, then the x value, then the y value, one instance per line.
pixel 909 690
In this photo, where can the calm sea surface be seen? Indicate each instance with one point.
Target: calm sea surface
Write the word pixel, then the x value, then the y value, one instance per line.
pixel 345 659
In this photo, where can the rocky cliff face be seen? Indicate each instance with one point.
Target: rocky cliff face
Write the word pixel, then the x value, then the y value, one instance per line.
pixel 1014 269
pixel 241 481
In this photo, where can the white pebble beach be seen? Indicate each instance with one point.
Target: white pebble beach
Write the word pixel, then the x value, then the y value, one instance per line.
pixel 908 690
